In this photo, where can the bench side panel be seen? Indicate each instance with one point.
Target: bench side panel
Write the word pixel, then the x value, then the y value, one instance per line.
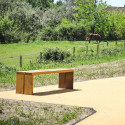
pixel 28 86
pixel 20 83
pixel 66 80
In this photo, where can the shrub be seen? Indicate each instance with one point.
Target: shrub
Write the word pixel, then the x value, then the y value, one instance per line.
pixel 113 35
pixel 109 51
pixel 71 32
pixel 47 34
pixel 55 54
pixel 5 69
pixel 8 32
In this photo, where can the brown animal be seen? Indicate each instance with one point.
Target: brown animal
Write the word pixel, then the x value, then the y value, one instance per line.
pixel 92 36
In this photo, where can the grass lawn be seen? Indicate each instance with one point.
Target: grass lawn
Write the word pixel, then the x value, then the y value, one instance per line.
pixel 15 49
pixel 31 51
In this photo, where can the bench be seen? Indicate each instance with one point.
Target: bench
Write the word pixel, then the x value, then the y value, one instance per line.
pixel 24 80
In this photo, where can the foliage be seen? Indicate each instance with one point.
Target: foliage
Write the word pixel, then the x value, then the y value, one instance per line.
pixel 21 19
pixel 8 31
pixel 91 13
pixel 115 27
pixel 110 51
pixel 53 16
pixel 97 19
pixel 59 3
pixel 55 54
pixel 71 32
pixel 47 34
pixel 42 4
pixel 30 20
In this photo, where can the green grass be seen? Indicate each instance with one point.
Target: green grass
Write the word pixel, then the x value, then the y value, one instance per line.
pixel 12 50
pixel 9 66
pixel 15 49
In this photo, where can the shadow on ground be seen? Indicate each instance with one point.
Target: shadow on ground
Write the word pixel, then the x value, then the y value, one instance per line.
pixel 55 92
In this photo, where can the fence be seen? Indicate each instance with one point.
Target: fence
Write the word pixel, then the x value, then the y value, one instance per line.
pixel 95 49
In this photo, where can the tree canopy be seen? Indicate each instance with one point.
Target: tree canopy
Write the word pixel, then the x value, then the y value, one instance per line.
pixel 25 20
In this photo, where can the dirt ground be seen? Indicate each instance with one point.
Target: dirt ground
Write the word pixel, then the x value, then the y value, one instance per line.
pixel 42 113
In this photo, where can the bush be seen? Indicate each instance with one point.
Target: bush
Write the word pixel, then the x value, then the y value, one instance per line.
pixel 47 34
pixel 112 35
pixel 55 54
pixel 71 32
pixel 8 32
pixel 108 51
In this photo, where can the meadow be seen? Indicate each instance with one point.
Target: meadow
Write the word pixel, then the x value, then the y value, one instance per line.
pixel 10 53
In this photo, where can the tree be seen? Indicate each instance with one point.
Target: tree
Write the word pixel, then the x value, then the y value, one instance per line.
pixel 23 16
pixel 116 25
pixel 55 15
pixel 42 4
pixel 92 14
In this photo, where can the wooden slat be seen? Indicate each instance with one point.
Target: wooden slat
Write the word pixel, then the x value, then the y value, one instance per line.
pixel 28 86
pixel 37 72
pixel 20 83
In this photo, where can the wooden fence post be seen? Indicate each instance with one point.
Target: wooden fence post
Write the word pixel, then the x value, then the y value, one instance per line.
pixel 86 50
pixel 74 49
pixel 20 61
pixel 40 61
pixel 97 49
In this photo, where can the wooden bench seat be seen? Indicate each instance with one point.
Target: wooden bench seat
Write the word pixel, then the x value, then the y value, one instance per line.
pixel 24 83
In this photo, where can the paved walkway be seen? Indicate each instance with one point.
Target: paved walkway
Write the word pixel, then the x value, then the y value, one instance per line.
pixel 106 96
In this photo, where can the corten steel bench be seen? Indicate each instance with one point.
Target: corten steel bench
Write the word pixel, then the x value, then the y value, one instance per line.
pixel 24 82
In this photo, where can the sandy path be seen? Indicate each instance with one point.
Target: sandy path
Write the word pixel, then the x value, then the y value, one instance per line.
pixel 106 96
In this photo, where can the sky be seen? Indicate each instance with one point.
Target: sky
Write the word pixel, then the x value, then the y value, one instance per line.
pixel 115 3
